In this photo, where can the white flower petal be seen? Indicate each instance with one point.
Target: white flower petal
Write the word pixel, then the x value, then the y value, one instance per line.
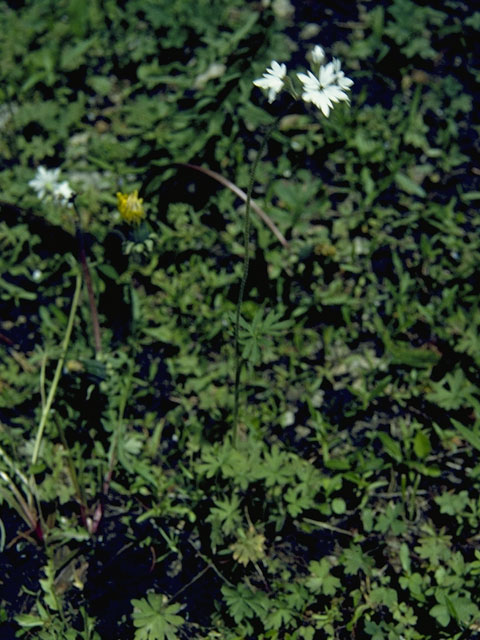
pixel 327 74
pixel 344 82
pixel 323 102
pixel 263 83
pixel 278 70
pixel 309 81
pixel 335 94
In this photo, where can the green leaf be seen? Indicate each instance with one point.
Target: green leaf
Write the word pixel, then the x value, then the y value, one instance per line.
pixel 391 519
pixel 384 596
pixel 244 602
pixel 415 583
pixel 462 609
pixel 472 437
pixel 403 353
pixel 409 186
pixel 405 557
pixel 453 391
pixel 435 547
pixel 155 620
pixel 421 445
pixel 226 513
pixel 320 579
pixel 355 560
pixel 29 621
pixel 276 468
pixel 452 503
pixel 278 618
pixel 339 506
pixel 391 446
pixel 474 21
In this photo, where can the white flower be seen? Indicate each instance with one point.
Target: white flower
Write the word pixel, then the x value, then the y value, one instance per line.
pixel 318 54
pixel 47 185
pixel 272 80
pixel 63 192
pixel 45 181
pixel 327 88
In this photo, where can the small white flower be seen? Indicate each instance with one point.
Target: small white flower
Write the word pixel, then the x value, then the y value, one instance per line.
pixel 63 192
pixel 318 54
pixel 340 78
pixel 45 181
pixel 37 275
pixel 46 184
pixel 327 88
pixel 272 80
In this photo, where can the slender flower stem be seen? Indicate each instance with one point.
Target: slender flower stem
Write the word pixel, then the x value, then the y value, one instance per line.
pixel 58 370
pixel 246 263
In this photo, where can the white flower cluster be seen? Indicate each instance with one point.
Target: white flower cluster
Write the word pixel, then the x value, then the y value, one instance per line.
pixel 47 185
pixel 324 85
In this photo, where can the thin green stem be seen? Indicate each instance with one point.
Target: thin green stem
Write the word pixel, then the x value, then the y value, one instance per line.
pixel 189 584
pixel 246 263
pixel 210 565
pixel 330 527
pixel 58 371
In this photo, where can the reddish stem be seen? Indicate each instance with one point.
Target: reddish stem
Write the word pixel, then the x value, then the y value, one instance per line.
pixel 91 295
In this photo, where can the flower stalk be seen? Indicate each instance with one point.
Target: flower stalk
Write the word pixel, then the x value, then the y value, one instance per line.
pixel 241 293
pixel 58 370
pixel 324 85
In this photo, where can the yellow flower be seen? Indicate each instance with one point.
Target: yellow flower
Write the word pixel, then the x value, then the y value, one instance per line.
pixel 130 207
